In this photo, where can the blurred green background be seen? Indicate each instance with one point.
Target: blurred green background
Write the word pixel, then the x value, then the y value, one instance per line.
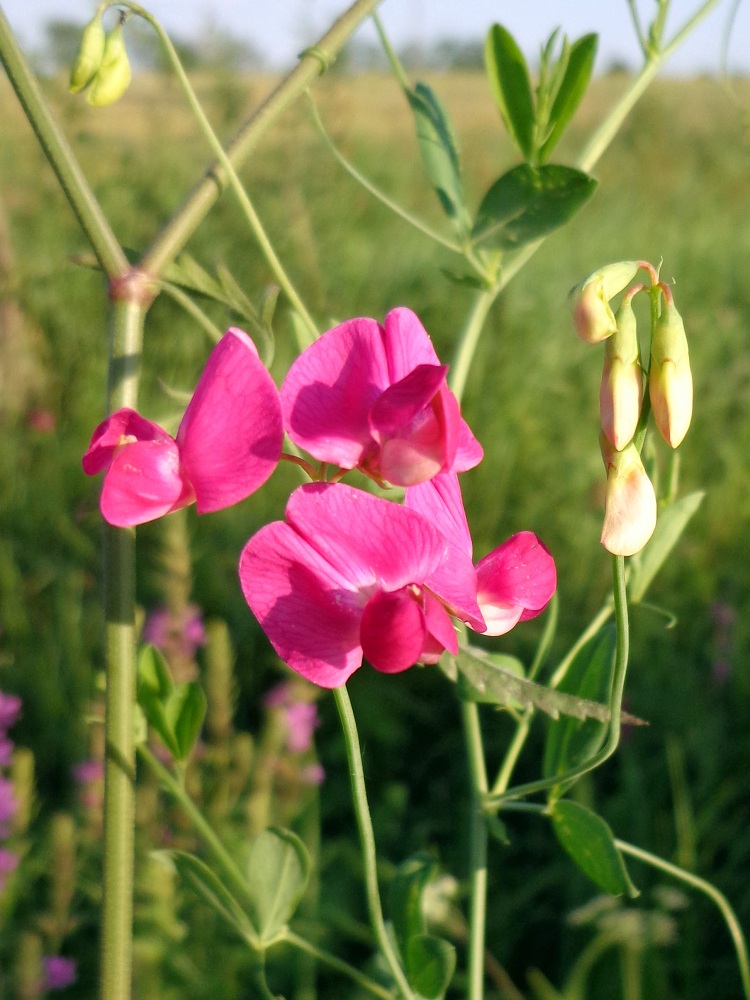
pixel 674 187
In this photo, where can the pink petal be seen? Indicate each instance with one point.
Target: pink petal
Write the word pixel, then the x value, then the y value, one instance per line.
pixel 521 574
pixel 108 437
pixel 415 425
pixel 407 343
pixel 231 434
pixel 469 451
pixel 329 390
pixel 372 543
pixel 310 617
pixel 393 631
pixel 441 632
pixel 144 481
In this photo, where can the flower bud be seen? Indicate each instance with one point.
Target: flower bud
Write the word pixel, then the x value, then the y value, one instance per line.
pixel 630 501
pixel 593 318
pixel 621 392
pixel 89 57
pixel 113 76
pixel 670 382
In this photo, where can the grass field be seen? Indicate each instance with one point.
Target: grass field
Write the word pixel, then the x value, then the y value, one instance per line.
pixel 674 187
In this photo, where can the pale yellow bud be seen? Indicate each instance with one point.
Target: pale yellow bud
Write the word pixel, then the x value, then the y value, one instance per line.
pixel 593 318
pixel 113 76
pixel 89 57
pixel 621 392
pixel 630 501
pixel 670 381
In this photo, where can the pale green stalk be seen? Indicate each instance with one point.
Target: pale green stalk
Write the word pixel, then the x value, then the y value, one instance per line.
pixel 478 837
pixel 338 965
pixel 735 929
pixel 367 839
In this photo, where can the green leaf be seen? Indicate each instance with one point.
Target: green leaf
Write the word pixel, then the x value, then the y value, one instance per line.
pixel 430 964
pixel 213 891
pixel 154 689
pixel 186 710
pixel 405 898
pixel 278 867
pixel 509 689
pixel 153 672
pixel 670 525
pixel 511 87
pixel 528 202
pixel 590 843
pixel 571 741
pixel 439 150
pixel 570 93
pixel 484 695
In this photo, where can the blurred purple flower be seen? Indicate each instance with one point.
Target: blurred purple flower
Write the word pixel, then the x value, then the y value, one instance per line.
pixel 59 972
pixel 301 722
pixel 10 709
pixel 180 634
pixel 312 774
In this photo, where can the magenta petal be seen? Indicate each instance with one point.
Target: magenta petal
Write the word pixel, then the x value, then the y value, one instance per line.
pixel 144 482
pixel 108 437
pixel 373 543
pixel 407 343
pixel 329 390
pixel 311 619
pixel 440 628
pixel 520 573
pixel 231 434
pixel 469 451
pixel 393 631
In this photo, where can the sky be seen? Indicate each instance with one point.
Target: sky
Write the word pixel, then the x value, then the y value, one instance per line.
pixel 282 28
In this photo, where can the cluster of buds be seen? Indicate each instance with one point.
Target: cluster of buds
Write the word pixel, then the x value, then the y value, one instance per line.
pixel 630 501
pixel 101 67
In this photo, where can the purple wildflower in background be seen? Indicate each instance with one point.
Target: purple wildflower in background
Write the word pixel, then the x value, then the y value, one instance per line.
pixel 179 634
pixel 10 709
pixel 300 716
pixel 59 972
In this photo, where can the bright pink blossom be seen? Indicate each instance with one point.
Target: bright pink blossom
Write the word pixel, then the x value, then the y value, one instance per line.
pixel 227 445
pixel 344 578
pixel 376 398
pixel 514 582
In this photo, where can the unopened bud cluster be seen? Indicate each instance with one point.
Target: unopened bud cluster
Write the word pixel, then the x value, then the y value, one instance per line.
pixel 630 502
pixel 101 67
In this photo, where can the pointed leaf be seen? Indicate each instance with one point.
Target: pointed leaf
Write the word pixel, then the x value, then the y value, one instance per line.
pixel 405 898
pixel 439 150
pixel 468 692
pixel 590 843
pixel 154 689
pixel 188 273
pixel 186 710
pixel 572 88
pixel 213 891
pixel 278 867
pixel 153 672
pixel 670 525
pixel 527 203
pixel 571 741
pixel 511 87
pixel 430 964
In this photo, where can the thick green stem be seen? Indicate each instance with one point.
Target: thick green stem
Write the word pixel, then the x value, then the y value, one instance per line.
pixel 183 224
pixel 478 838
pixel 367 838
pixel 60 155
pixel 738 938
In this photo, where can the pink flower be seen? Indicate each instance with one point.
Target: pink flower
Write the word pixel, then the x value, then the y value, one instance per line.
pixel 227 445
pixel 376 398
pixel 59 972
pixel 344 578
pixel 514 582
pixel 10 709
pixel 180 634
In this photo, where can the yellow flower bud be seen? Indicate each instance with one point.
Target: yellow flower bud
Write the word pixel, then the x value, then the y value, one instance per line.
pixel 593 318
pixel 621 392
pixel 629 503
pixel 89 57
pixel 670 381
pixel 113 76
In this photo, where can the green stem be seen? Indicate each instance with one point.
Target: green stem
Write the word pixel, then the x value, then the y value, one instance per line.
pixel 119 721
pixel 367 838
pixel 180 228
pixel 467 344
pixel 615 704
pixel 338 965
pixel 735 930
pixel 60 156
pixel 478 838
pixel 220 854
